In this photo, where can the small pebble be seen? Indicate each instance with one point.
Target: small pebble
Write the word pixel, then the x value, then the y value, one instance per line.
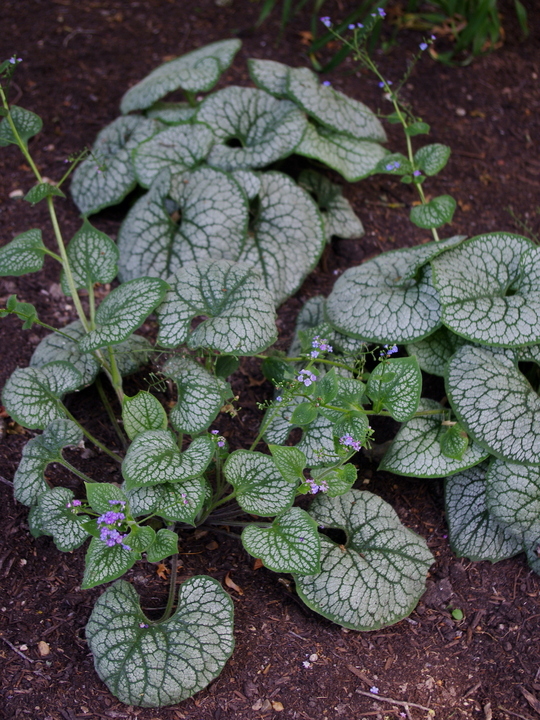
pixel 461 112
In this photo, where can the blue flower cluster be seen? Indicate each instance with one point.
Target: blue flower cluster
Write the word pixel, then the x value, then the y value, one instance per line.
pixel 109 524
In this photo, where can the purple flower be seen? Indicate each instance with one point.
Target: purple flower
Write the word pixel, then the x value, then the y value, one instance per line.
pixel 214 432
pixel 143 625
pixel 314 353
pixel 326 21
pixel 381 12
pixel 349 441
pixel 73 503
pixel 117 502
pixel 110 518
pixel 314 488
pixel 184 499
pixel 279 398
pixel 221 443
pixel 359 25
pixel 321 344
pixel 388 82
pixel 387 351
pixel 374 690
pixel 14 60
pixel 393 166
pixel 306 377
pixel 417 173
pixel 326 83
pixel 423 46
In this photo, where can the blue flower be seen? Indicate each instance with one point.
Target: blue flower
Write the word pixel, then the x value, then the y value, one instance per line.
pixel 326 21
pixel 381 12
pixel 326 83
pixel 423 46
pixel 352 26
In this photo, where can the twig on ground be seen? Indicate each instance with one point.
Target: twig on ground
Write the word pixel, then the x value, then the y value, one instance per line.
pixel 403 703
pixel 515 714
pixel 16 650
pixel 6 482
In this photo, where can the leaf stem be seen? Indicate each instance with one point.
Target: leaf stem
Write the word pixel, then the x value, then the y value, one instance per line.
pixel 110 413
pixel 92 439
pixel 172 590
pixel 76 472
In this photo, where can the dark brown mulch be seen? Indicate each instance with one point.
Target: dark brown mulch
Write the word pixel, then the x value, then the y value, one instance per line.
pixel 79 58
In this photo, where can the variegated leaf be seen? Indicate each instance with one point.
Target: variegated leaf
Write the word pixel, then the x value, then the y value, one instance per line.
pixel 102 495
pixel 123 311
pixel 155 664
pixel 291 544
pixel 104 563
pixel 354 159
pixel 339 217
pixel 193 216
pixel 378 576
pixel 332 108
pixel 26 123
pixel 260 487
pixel 107 175
pixel 29 480
pixel 179 148
pixel 153 458
pixel 395 385
pixel 495 403
pixel 416 449
pixel 372 302
pixel 249 181
pixel 41 191
pixel 290 462
pixel 513 496
pixel 200 395
pixel 474 531
pixel 197 71
pixel 436 350
pixel 287 236
pixel 142 412
pixel 435 213
pixel 267 129
pixel 432 158
pixel 180 502
pixel 240 311
pixel 60 521
pixel 269 75
pixel 171 113
pixel 489 289
pixel 92 256
pixel 24 254
pixel 32 395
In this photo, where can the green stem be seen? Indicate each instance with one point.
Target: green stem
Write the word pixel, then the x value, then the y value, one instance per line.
pixel 48 327
pixel 92 305
pixel 110 413
pixel 224 500
pixel 172 590
pixel 76 472
pixel 53 255
pixel 115 376
pixel 92 439
pixel 180 441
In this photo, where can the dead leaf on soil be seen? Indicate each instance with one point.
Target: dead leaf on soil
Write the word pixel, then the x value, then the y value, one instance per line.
pixel 162 571
pixel 359 674
pixel 230 583
pixel 258 564
pixel 531 699
pixel 306 37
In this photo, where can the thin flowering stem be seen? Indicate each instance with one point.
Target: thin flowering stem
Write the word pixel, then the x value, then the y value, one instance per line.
pixel 92 439
pixel 110 412
pixel 76 472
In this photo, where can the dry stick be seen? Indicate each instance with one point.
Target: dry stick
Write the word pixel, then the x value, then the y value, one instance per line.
pixel 523 717
pixel 391 700
pixel 7 482
pixel 24 657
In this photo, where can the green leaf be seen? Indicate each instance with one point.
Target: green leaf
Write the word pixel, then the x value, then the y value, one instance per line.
pixel 332 108
pixel 394 164
pixel 197 71
pixel 153 457
pixel 304 414
pixel 200 395
pixel 60 521
pixel 354 159
pixel 41 191
pixel 269 75
pixel 179 148
pixel 29 480
pixel 32 395
pixel 417 128
pixel 290 462
pixel 327 386
pixel 24 311
pixel 286 238
pixel 339 481
pixel 141 538
pixel 104 563
pixel 377 578
pixel 108 175
pixel 513 497
pixel 240 311
pixel 338 215
pixel 416 449
pixel 142 412
pixel 276 370
pixel 432 158
pixel 164 545
pixel 24 254
pixel 396 384
pixel 435 213
pixel 155 664
pixel 490 289
pixel 34 522
pixel 495 403
pixel 474 531
pixel 174 502
pixel 93 258
pixel 188 217
pixel 226 365
pixel 454 442
pixel 434 351
pixel 123 311
pixel 27 124
pixel 267 129
pixel 260 487
pixel 291 544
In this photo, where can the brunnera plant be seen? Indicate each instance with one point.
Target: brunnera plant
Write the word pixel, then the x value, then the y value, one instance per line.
pixel 223 232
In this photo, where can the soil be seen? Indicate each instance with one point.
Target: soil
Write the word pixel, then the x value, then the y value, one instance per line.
pixel 79 58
